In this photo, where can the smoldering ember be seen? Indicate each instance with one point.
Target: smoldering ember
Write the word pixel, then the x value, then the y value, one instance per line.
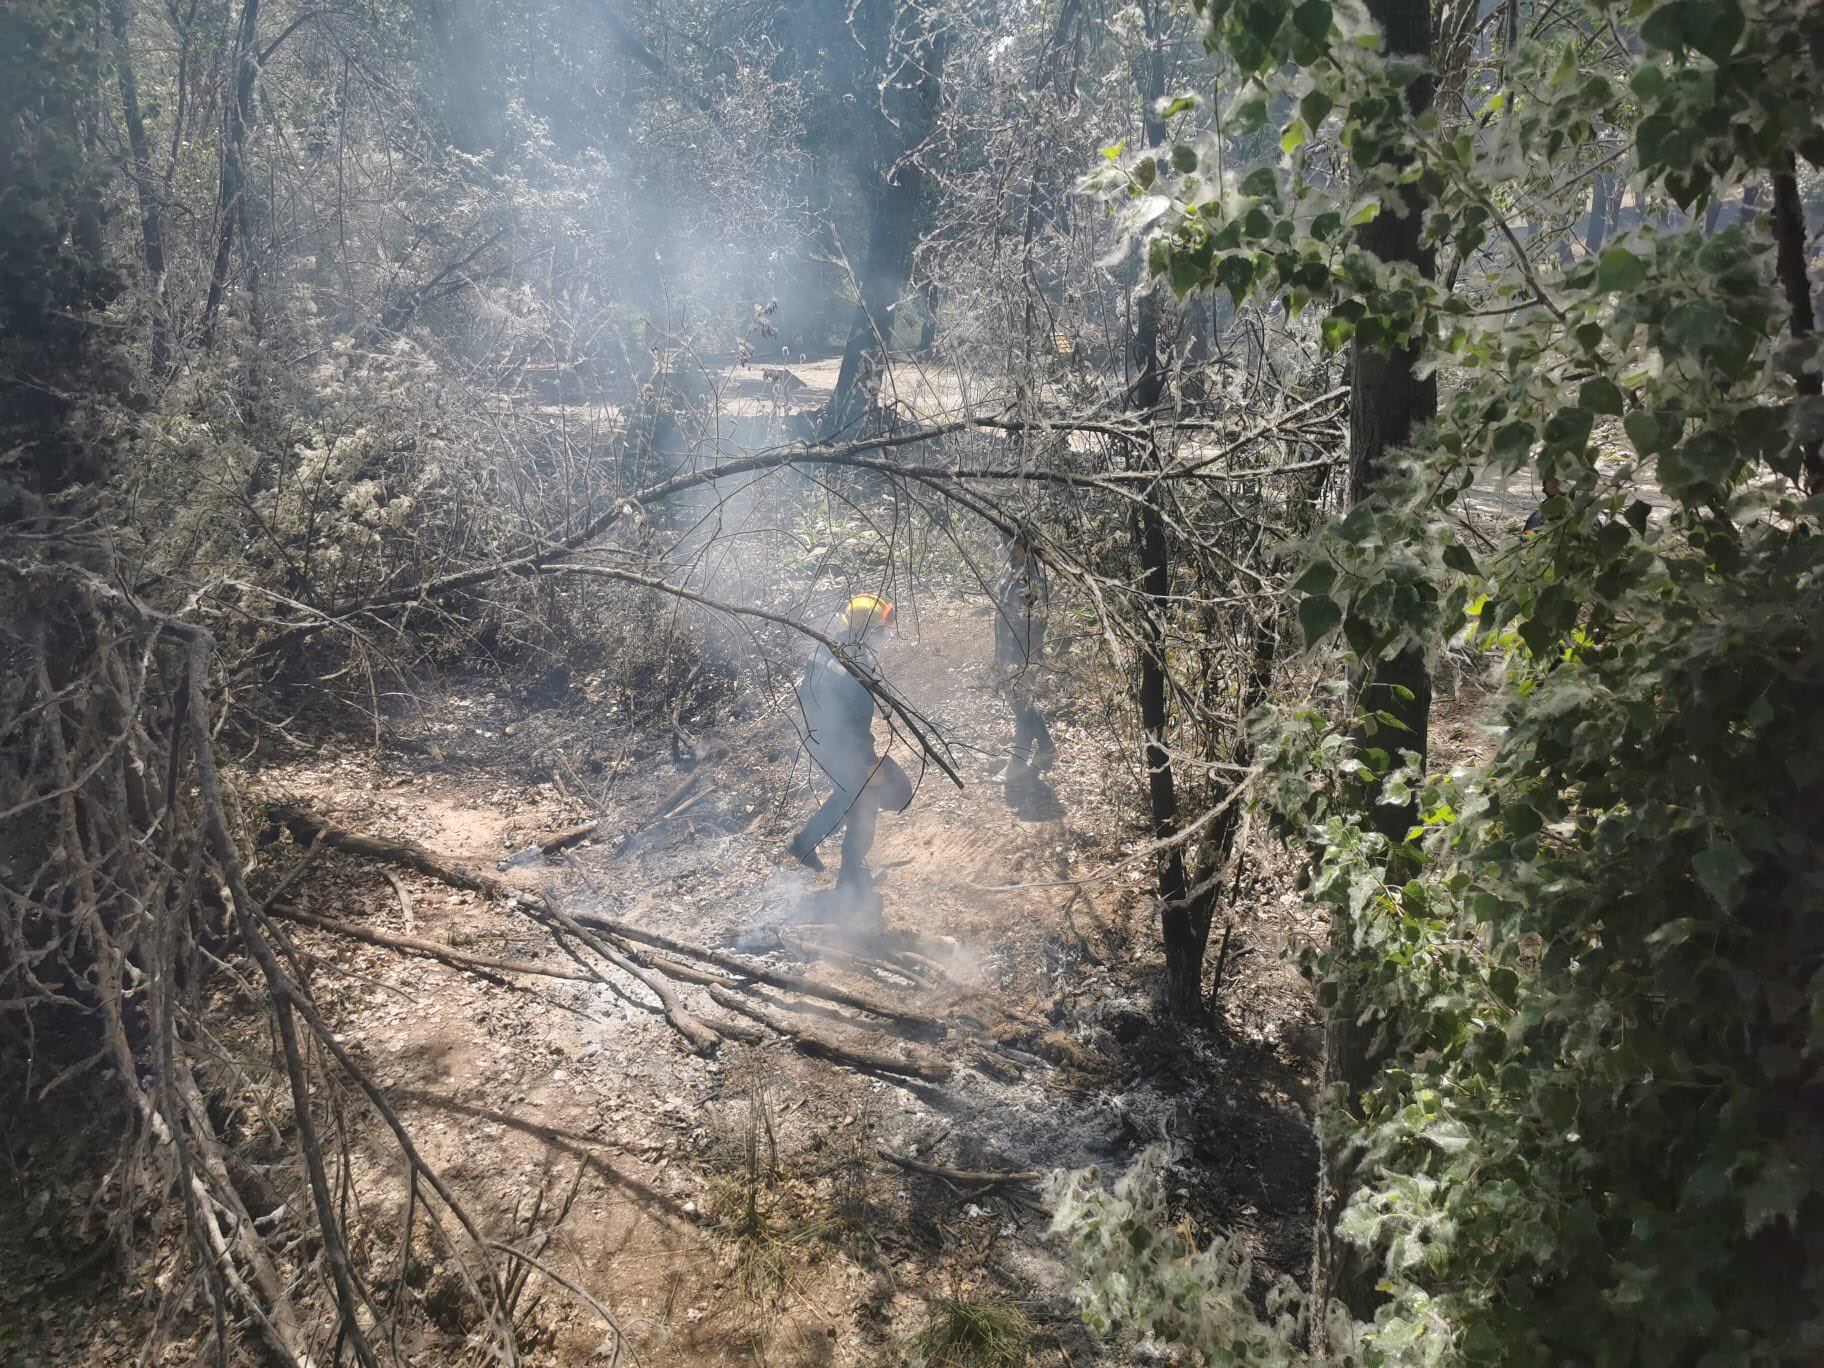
pixel 911 682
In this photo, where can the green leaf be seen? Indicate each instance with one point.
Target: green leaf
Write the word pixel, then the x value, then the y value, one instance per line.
pixel 1261 183
pixel 1643 430
pixel 1514 440
pixel 1457 557
pixel 1704 459
pixel 1356 524
pixel 1364 211
pixel 1619 269
pixel 1315 106
pixel 1718 869
pixel 1250 114
pixel 1695 326
pixel 1568 429
pixel 1448 1135
pixel 1721 27
pixel 1312 19
pixel 1184 159
pixel 1505 985
pixel 1262 18
pixel 1668 27
pixel 1319 578
pixel 1522 819
pixel 1599 394
pixel 1236 272
pixel 1317 618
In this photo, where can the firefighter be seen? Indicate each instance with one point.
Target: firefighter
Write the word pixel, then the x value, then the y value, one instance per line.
pixel 1022 601
pixel 1536 519
pixel 838 710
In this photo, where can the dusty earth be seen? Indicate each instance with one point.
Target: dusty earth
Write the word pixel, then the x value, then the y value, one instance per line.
pixel 742 1208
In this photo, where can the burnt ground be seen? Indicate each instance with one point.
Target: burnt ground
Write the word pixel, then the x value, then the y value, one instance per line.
pixel 736 1209
pixel 1053 978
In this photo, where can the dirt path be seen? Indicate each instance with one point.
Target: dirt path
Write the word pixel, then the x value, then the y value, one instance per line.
pixel 736 1209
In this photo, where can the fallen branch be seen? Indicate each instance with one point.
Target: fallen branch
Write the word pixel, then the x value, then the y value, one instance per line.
pixel 975 1177
pixel 302 822
pixel 866 963
pixel 753 969
pixel 815 1042
pixel 305 826
pixel 406 910
pixel 434 949
pixel 543 908
pixel 559 841
pixel 735 1030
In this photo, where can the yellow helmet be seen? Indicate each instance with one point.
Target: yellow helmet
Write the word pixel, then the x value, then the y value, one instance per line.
pixel 867 610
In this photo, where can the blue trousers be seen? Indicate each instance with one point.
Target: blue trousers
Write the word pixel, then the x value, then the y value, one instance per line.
pixel 865 783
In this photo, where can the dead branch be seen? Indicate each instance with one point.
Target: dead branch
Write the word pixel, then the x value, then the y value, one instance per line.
pixel 912 1064
pixel 974 1177
pixel 560 841
pixel 405 902
pixel 541 907
pixel 436 950
pixel 753 969
pixel 307 825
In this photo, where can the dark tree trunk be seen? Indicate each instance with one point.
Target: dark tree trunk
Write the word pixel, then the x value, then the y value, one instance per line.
pixel 888 266
pixel 1795 282
pixel 473 117
pixel 151 226
pixel 1184 921
pixel 1388 402
pixel 237 115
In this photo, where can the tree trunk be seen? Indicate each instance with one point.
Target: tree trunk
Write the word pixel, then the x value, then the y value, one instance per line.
pixel 889 259
pixel 1184 922
pixel 473 116
pixel 1388 402
pixel 1795 282
pixel 237 114
pixel 151 225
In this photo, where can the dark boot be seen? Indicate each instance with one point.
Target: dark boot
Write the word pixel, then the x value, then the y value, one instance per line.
pixel 803 851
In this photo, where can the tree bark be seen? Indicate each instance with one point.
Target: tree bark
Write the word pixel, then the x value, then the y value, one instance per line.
pixel 1389 400
pixel 473 117
pixel 1795 282
pixel 1184 920
pixel 237 115
pixel 151 224
pixel 891 237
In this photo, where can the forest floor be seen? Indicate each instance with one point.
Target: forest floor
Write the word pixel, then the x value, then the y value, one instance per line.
pixel 737 1209
pixel 742 1208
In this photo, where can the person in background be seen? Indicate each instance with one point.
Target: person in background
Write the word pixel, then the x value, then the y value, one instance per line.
pixel 1022 601
pixel 1536 519
pixel 838 710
